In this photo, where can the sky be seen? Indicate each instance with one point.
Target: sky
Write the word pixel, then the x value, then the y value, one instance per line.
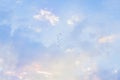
pixel 59 40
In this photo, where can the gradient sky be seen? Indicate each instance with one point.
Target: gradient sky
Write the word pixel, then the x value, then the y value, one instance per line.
pixel 59 39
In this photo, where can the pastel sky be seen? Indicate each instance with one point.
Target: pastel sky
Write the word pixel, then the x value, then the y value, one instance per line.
pixel 59 39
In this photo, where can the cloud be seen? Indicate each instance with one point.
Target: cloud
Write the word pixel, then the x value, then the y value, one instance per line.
pixel 73 65
pixel 47 15
pixel 74 20
pixel 34 70
pixel 36 29
pixel 61 68
pixel 107 39
pixel 8 61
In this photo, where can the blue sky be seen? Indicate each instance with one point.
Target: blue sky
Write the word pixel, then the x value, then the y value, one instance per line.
pixel 59 40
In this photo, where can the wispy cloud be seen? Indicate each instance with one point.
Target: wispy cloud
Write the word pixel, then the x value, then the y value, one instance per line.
pixel 74 20
pixel 8 61
pixel 47 15
pixel 34 70
pixel 107 39
pixel 64 67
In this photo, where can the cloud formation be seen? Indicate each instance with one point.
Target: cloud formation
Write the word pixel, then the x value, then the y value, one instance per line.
pixel 47 15
pixel 74 50
pixel 64 67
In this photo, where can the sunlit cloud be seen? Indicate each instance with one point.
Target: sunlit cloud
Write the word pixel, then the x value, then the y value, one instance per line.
pixel 107 39
pixel 64 67
pixel 33 70
pixel 47 15
pixel 10 73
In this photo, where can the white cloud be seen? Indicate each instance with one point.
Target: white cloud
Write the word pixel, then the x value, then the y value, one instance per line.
pixel 74 20
pixel 47 15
